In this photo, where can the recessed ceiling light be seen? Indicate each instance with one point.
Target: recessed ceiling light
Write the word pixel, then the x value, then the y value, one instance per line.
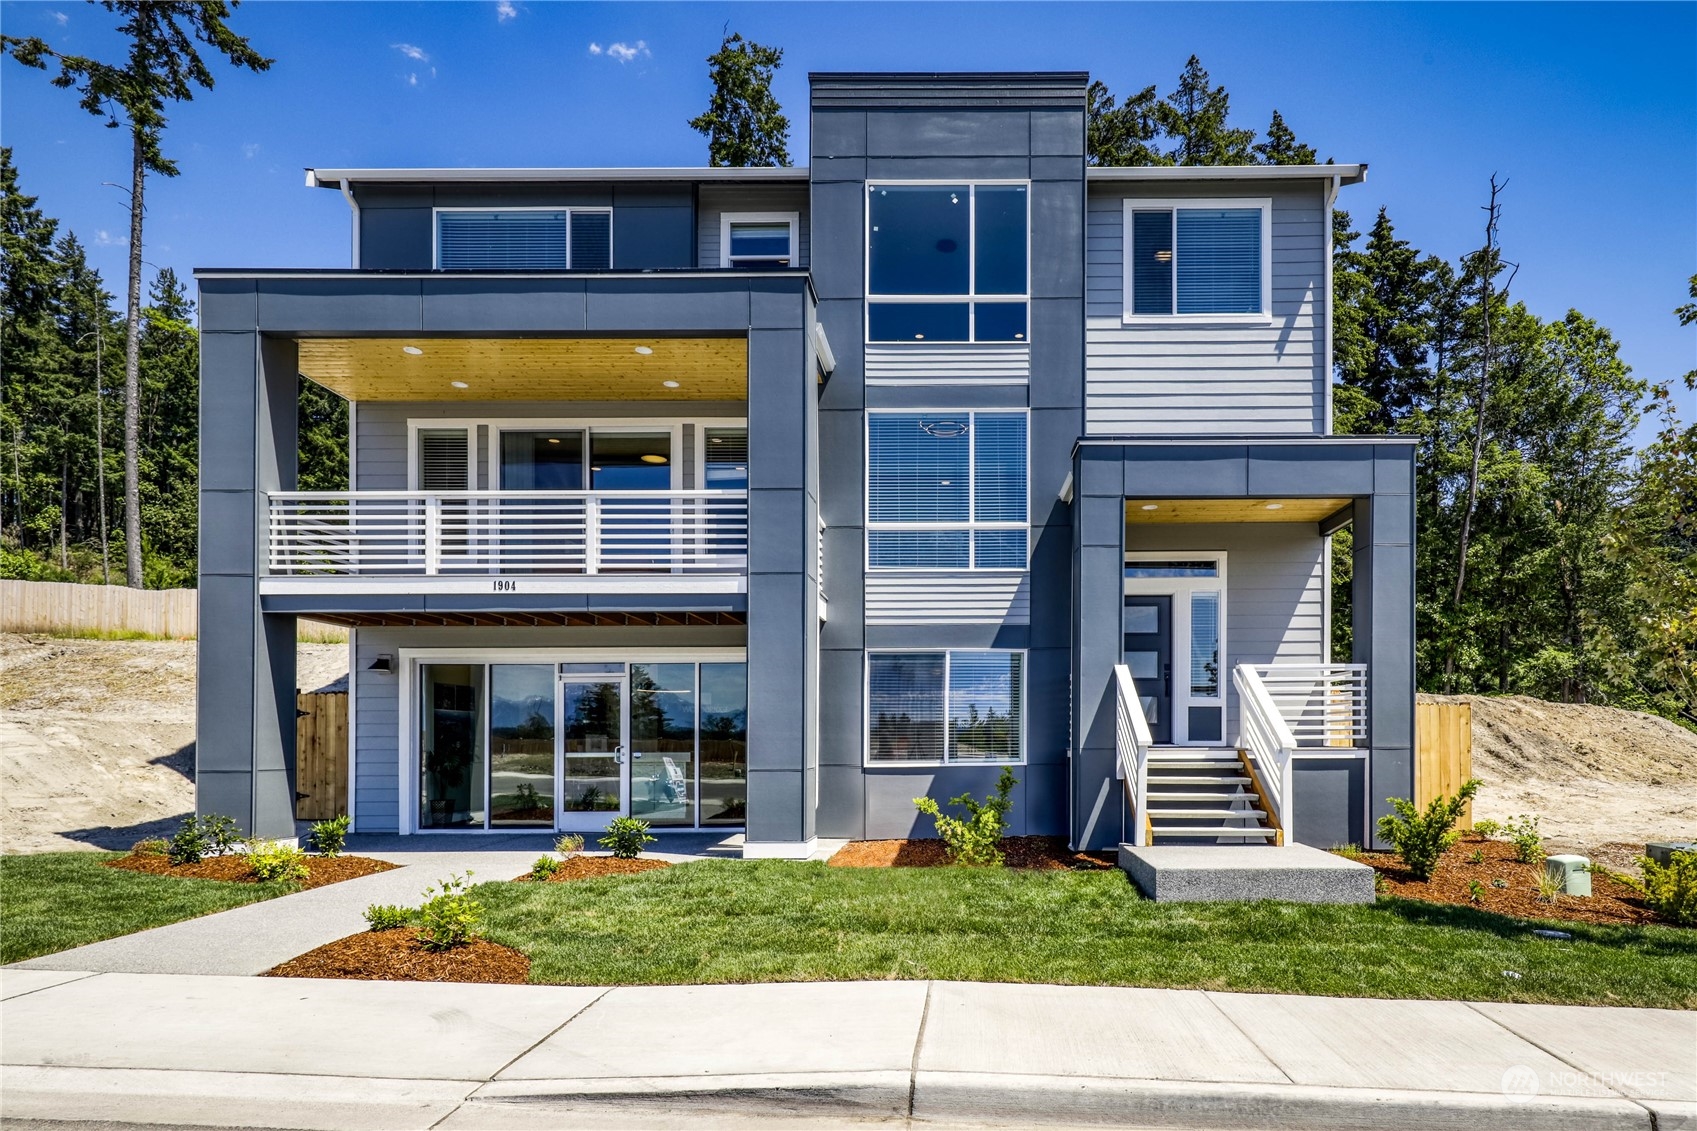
pixel 670 384
pixel 459 384
pixel 1151 507
pixel 1275 506
pixel 595 469
pixel 413 350
pixel 651 458
pixel 715 439
pixel 945 482
pixel 645 350
pixel 553 440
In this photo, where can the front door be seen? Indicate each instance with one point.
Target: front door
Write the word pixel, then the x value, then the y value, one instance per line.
pixel 594 746
pixel 1148 647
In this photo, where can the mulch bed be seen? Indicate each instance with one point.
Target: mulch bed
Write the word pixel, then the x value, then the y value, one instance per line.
pixel 1610 901
pixel 1037 853
pixel 587 867
pixel 234 868
pixel 397 956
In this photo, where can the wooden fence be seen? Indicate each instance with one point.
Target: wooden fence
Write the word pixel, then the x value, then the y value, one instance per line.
pixel 113 610
pixel 321 755
pixel 1443 753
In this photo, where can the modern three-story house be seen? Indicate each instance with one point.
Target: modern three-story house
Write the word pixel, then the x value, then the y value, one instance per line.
pixel 769 499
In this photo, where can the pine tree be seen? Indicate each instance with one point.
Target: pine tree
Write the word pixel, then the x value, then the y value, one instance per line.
pixel 28 285
pixel 1122 135
pixel 1195 116
pixel 743 122
pixel 1281 146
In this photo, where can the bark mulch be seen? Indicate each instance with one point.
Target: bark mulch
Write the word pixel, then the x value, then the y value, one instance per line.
pixel 1610 900
pixel 397 956
pixel 587 867
pixel 321 870
pixel 1037 853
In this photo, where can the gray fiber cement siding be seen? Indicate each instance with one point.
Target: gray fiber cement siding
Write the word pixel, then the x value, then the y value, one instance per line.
pixel 871 127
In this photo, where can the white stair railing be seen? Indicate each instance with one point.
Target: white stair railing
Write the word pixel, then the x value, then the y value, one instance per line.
pixel 1132 741
pixel 1324 705
pixel 1268 742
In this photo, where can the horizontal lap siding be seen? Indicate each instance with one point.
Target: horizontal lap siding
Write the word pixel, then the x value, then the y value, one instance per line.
pixel 376 736
pixel 948 598
pixel 715 202
pixel 1154 379
pixel 906 365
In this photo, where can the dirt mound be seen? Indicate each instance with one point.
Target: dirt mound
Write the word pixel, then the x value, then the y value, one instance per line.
pixel 97 737
pixel 1595 776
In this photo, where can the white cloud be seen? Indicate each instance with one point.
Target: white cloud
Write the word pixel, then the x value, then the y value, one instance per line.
pixel 595 49
pixel 416 54
pixel 103 238
pixel 412 80
pixel 623 52
pixel 60 18
pixel 505 11
pixel 249 149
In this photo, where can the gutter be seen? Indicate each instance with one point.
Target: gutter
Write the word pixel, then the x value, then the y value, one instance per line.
pixel 348 194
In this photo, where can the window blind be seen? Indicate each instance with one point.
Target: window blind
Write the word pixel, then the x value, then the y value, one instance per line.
pixel 1152 262
pixel 919 468
pixel 1205 644
pixel 985 708
pixel 592 241
pixel 966 706
pixel 998 449
pixel 501 241
pixel 1219 261
pixel 444 459
pixel 905 697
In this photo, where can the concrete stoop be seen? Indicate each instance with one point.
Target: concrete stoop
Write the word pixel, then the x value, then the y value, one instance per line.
pixel 1296 873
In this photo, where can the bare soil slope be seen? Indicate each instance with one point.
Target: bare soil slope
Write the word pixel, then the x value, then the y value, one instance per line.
pixel 1595 776
pixel 97 737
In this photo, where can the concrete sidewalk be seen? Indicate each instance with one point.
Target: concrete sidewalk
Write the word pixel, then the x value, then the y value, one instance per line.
pixel 297 1053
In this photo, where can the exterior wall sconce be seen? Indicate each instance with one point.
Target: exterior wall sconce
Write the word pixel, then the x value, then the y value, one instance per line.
pixel 383 663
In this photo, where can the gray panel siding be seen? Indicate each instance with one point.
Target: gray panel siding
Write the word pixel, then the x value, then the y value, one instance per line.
pixel 716 200
pixel 1192 379
pixel 1275 588
pixel 948 598
pixel 975 364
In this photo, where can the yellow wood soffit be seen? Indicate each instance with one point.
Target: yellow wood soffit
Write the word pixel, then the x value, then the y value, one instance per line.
pixel 1138 511
pixel 542 369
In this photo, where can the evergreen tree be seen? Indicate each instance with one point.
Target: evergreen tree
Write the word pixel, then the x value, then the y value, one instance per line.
pixel 1281 146
pixel 1194 116
pixel 1124 134
pixel 323 424
pixel 28 286
pixel 743 122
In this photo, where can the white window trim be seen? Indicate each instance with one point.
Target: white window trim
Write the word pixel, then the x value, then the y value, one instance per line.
pixel 567 210
pixel 1180 589
pixel 1135 204
pixel 414 427
pixel 866 708
pixel 971 496
pixel 726 219
pixel 971 298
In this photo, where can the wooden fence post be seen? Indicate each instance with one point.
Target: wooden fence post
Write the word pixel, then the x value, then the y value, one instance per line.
pixel 1443 753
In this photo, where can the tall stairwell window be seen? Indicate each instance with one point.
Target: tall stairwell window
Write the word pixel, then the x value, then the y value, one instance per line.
pixel 524 239
pixel 946 490
pixel 947 262
pixel 1206 260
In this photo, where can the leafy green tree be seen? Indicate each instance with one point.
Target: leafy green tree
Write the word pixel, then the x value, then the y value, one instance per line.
pixel 323 424
pixel 163 64
pixel 1281 146
pixel 1194 117
pixel 1117 135
pixel 743 122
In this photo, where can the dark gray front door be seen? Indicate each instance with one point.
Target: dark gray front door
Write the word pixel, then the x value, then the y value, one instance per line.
pixel 1148 648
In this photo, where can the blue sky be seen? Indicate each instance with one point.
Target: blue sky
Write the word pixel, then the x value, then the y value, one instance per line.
pixel 1590 111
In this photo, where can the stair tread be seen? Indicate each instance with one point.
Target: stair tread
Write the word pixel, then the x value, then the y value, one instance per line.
pixel 1251 830
pixel 1198 795
pixel 1180 779
pixel 1190 813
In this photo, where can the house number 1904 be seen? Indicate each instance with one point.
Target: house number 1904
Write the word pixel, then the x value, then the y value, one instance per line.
pixel 503 586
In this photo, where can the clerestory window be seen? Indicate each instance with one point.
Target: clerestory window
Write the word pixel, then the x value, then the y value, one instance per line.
pixel 948 262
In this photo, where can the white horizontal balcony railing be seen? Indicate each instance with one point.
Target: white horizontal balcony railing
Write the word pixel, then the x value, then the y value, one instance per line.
pixel 1322 704
pixel 459 533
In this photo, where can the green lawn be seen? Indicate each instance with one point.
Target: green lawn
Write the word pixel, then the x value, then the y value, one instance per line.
pixel 57 900
pixel 735 921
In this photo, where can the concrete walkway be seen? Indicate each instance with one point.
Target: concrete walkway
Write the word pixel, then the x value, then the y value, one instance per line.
pixel 296 1053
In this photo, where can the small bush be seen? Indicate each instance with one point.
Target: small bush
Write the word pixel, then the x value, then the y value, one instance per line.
pixel 978 838
pixel 1552 886
pixel 569 845
pixel 200 837
pixel 387 917
pixel 328 837
pixel 273 861
pixel 1477 856
pixel 1475 891
pixel 151 847
pixel 544 867
pixel 1422 838
pixel 1670 890
pixel 1487 828
pixel 625 837
pixel 1528 844
pixel 449 917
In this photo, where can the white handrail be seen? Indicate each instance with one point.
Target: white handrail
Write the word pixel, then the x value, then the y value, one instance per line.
pixel 1132 741
pixel 1269 744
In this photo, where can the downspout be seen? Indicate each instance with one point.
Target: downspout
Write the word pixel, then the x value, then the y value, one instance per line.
pixel 348 194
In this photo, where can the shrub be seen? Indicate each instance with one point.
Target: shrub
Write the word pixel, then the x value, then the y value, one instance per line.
pixel 1487 828
pixel 625 837
pixel 200 837
pixel 1421 839
pixel 1477 856
pixel 1528 844
pixel 448 917
pixel 1670 890
pixel 1552 885
pixel 151 847
pixel 328 837
pixel 387 917
pixel 273 861
pixel 978 838
pixel 544 867
pixel 569 845
pixel 1475 891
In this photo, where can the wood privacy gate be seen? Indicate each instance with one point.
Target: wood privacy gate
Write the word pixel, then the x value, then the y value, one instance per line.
pixel 321 755
pixel 1443 753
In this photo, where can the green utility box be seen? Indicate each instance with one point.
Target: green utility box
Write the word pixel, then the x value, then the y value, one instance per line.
pixel 1573 871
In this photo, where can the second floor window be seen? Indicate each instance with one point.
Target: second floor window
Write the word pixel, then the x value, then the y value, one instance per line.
pixel 1205 258
pixel 946 490
pixel 947 263
pixel 758 241
pixel 524 239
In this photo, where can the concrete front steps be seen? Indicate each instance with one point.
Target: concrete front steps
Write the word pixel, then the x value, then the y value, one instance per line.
pixel 1294 873
pixel 1203 795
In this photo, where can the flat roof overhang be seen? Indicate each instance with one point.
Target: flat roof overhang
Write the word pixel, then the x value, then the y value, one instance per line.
pixel 335 178
pixel 529 619
pixel 1169 511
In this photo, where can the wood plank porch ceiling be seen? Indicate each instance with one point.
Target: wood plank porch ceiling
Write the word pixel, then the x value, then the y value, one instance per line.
pixel 1231 510
pixel 527 620
pixel 528 369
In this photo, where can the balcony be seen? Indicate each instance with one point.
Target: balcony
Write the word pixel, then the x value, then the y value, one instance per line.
pixel 507 541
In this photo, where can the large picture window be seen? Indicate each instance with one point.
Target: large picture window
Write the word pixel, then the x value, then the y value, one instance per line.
pixel 946 707
pixel 524 239
pixel 946 490
pixel 1202 258
pixel 947 263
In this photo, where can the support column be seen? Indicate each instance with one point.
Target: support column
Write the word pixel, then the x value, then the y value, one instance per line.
pixel 1382 590
pixel 1098 537
pixel 245 711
